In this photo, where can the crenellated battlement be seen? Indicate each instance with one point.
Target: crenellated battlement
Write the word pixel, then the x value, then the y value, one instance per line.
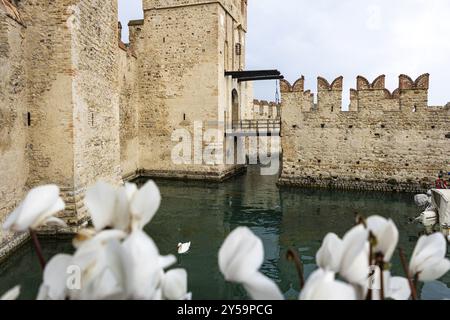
pixel 387 141
pixel 235 8
pixel 411 95
pixel 263 109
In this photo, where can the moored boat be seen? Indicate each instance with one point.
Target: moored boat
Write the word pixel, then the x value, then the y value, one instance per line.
pixel 436 205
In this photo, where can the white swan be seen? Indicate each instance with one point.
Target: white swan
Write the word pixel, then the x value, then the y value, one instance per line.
pixel 183 247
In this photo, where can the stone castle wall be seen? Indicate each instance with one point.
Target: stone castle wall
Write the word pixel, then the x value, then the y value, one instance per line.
pixel 59 101
pixel 129 112
pixel 77 105
pixel 95 95
pixel 13 119
pixel 263 110
pixel 183 49
pixel 387 141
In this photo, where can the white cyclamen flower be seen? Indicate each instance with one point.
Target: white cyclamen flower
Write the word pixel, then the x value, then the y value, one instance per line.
pixel 124 208
pixel 175 286
pixel 329 255
pixel 12 294
pixel 240 258
pixel 54 286
pixel 322 285
pixel 428 261
pixel 354 265
pixel 386 234
pixel 348 257
pixel 146 270
pixel 103 264
pixel 38 209
pixel 396 288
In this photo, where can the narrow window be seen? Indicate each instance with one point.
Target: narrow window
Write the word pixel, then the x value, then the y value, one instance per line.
pixel 29 119
pixel 238 49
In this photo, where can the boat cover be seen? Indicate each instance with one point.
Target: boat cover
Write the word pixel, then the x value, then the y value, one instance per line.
pixel 441 201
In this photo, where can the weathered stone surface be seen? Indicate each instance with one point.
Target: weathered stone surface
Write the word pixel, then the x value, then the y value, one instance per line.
pixel 14 166
pixel 77 105
pixel 389 142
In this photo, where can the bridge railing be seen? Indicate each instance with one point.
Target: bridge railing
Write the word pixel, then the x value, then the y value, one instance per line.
pixel 260 125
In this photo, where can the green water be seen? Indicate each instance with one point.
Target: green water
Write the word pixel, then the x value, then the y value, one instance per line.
pixel 205 213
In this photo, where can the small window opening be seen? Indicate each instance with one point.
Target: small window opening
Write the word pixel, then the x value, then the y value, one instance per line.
pixel 238 49
pixel 29 119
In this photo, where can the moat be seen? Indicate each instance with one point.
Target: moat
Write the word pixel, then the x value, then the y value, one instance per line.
pixel 204 213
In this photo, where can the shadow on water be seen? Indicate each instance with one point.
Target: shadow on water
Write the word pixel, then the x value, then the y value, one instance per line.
pixel 205 213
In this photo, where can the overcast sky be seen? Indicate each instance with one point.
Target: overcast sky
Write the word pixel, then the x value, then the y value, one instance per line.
pixel 346 37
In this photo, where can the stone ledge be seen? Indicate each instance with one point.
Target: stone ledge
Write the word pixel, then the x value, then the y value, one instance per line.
pixel 12 245
pixel 341 184
pixel 191 175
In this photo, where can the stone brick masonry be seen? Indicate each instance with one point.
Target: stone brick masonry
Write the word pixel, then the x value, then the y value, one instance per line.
pixel 77 105
pixel 387 141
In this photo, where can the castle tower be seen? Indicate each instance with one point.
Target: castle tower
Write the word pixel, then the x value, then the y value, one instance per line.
pixel 184 48
pixel 68 52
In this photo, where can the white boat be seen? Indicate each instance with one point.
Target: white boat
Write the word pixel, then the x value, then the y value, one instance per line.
pixel 437 209
pixel 440 199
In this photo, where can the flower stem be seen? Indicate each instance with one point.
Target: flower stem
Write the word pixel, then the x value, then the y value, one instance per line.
pixel 38 248
pixel 292 255
pixel 406 269
pixel 380 264
pixel 372 238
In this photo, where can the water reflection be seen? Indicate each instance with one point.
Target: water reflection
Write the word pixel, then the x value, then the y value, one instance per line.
pixel 205 213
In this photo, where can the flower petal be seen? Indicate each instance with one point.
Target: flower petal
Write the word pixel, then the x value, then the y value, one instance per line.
pixel 399 289
pixel 260 287
pixel 435 270
pixel 330 254
pixel 388 240
pixel 175 284
pixel 121 219
pixel 145 273
pixel 130 190
pixel 241 255
pixel 321 285
pixel 48 216
pixel 429 250
pixel 12 294
pixel 100 201
pixel 55 277
pixel 145 204
pixel 39 201
pixel 355 257
pixel 167 261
